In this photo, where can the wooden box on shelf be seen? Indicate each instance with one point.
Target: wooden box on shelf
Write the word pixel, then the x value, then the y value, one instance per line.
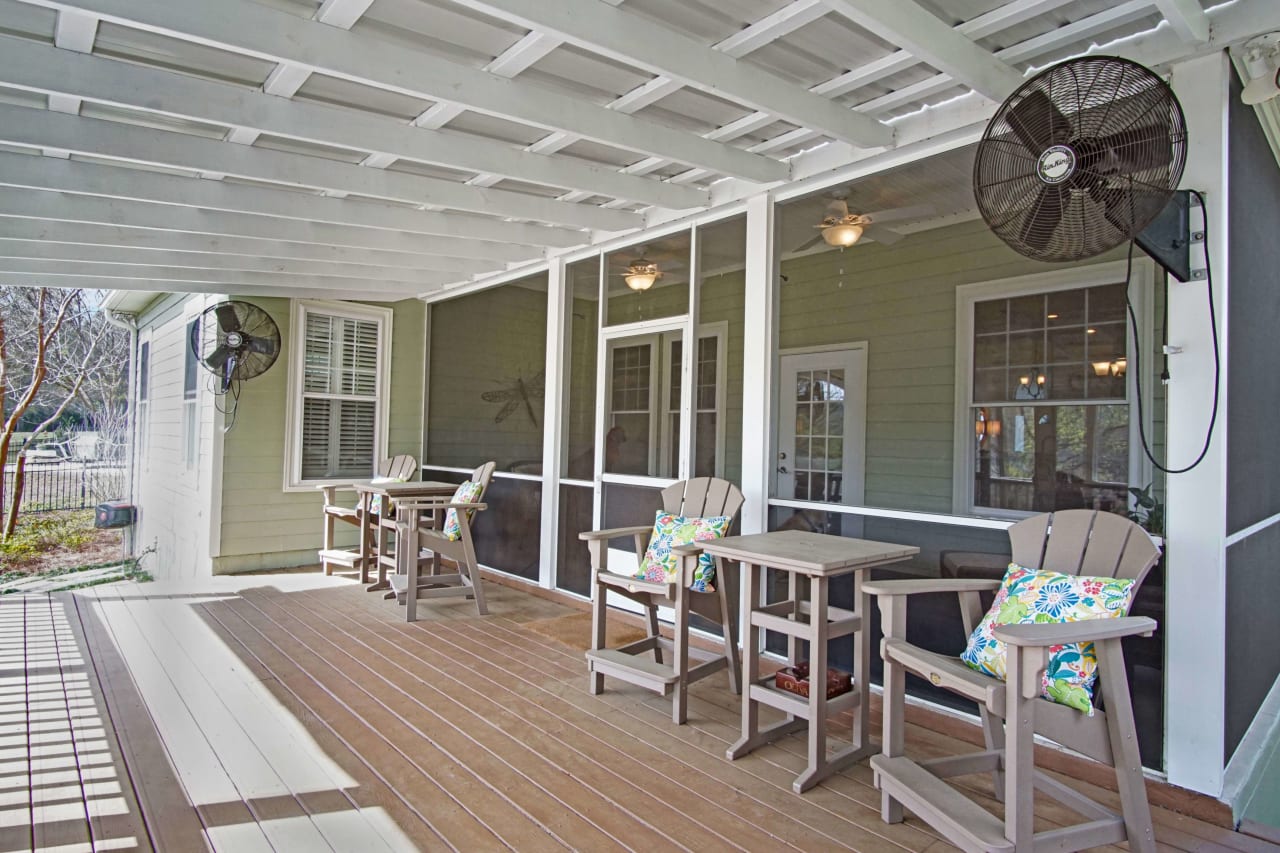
pixel 795 679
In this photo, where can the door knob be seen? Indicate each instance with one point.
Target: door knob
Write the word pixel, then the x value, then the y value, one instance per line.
pixel 782 469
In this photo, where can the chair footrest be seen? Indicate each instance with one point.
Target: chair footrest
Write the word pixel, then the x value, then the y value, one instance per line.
pixel 632 667
pixel 956 817
pixel 340 555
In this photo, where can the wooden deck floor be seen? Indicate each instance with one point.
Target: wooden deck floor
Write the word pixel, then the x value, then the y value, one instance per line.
pixel 307 716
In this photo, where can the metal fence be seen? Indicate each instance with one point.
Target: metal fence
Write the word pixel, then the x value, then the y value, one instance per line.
pixel 64 485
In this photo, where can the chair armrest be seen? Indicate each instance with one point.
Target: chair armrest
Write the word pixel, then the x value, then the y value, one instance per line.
pixel 1083 631
pixel 914 587
pixel 615 532
pixel 438 504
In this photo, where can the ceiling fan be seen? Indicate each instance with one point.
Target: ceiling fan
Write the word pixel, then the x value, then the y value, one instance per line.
pixel 838 227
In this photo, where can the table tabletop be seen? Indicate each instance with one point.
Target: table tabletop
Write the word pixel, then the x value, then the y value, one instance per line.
pixel 411 488
pixel 815 554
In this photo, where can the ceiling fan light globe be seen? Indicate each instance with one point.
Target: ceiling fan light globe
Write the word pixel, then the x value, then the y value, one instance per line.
pixel 842 234
pixel 640 280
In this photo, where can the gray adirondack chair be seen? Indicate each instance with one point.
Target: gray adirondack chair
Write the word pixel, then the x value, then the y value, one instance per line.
pixel 656 663
pixel 397 467
pixel 421 542
pixel 1078 542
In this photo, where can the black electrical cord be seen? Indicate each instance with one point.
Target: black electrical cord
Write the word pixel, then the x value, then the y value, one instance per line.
pixel 1213 334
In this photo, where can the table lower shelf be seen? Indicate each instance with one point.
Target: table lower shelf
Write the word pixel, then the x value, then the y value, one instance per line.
pixel 765 692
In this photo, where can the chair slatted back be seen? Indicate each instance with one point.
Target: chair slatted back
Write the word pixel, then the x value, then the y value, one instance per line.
pixel 703 497
pixel 400 467
pixel 1084 542
pixel 483 475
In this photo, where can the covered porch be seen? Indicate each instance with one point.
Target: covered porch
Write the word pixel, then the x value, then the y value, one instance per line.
pixel 291 712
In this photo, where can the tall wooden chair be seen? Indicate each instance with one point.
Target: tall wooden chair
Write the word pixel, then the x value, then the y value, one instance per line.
pixel 1077 542
pixel 702 497
pixel 421 527
pixel 403 467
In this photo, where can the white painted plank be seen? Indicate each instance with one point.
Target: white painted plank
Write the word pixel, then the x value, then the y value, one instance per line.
pixel 918 30
pixel 262 31
pixel 288 291
pixel 123 182
pixel 164 217
pixel 630 38
pixel 99 137
pixel 1187 18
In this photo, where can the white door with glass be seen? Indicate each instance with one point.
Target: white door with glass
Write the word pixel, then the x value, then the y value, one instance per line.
pixel 822 426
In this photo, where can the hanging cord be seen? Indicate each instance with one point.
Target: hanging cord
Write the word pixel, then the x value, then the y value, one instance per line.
pixel 1137 355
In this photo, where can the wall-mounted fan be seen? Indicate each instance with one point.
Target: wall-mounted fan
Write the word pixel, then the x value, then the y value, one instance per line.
pixel 235 341
pixel 1080 158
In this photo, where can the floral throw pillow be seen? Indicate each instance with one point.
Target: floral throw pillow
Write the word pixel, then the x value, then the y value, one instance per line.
pixel 1030 596
pixel 375 501
pixel 670 530
pixel 467 492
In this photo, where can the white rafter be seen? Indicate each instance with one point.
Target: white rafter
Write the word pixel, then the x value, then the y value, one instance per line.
pixel 90 236
pixel 630 38
pixel 302 289
pixel 24 203
pixel 224 273
pixel 1187 18
pixel 29 65
pixel 265 32
pixel 98 137
pixel 907 24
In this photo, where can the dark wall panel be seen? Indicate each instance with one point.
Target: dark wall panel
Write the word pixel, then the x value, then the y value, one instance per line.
pixel 1253 394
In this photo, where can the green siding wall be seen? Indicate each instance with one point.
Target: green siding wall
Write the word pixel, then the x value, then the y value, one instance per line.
pixel 264 526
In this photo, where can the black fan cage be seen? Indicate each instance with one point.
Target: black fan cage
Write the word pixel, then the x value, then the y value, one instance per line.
pixel 1080 158
pixel 235 341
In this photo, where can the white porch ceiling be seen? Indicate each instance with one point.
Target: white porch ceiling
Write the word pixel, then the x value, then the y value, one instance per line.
pixel 395 147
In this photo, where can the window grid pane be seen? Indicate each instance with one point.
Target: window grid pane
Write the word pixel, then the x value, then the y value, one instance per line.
pixel 340 362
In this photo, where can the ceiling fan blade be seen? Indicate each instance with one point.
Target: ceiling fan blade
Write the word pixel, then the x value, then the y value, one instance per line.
pixel 262 345
pixel 228 319
pixel 899 214
pixel 1038 123
pixel 1042 220
pixel 808 245
pixel 881 234
pixel 216 359
pixel 837 209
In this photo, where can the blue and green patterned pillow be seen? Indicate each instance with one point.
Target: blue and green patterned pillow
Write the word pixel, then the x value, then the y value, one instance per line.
pixel 1029 596
pixel 375 502
pixel 467 492
pixel 670 530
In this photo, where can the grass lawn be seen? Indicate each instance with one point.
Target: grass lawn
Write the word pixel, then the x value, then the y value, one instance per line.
pixel 49 541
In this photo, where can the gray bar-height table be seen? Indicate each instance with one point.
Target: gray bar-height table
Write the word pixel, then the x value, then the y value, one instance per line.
pixel 370 535
pixel 818 557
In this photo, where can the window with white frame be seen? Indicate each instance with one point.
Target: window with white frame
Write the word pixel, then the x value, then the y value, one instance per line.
pixel 1048 411
pixel 144 400
pixel 190 385
pixel 338 391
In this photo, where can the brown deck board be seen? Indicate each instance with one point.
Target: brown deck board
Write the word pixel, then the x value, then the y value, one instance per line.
pixel 316 718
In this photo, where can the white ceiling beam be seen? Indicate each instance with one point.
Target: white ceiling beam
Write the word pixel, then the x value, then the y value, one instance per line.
pixel 90 235
pixel 224 269
pixel 24 203
pixel 120 182
pixel 256 29
pixel 906 23
pixel 1187 18
pixel 75 30
pixel 1024 50
pixel 342 13
pixel 45 250
pixel 134 143
pixel 630 38
pixel 213 279
pixel 299 290
pixel 29 65
pixel 769 29
pixel 520 56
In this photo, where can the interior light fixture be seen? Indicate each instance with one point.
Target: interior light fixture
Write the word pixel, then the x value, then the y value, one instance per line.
pixel 1031 386
pixel 1116 367
pixel 842 232
pixel 986 425
pixel 641 274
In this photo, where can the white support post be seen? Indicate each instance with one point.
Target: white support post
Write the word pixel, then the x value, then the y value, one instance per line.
pixel 688 363
pixel 1195 538
pixel 760 332
pixel 559 306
